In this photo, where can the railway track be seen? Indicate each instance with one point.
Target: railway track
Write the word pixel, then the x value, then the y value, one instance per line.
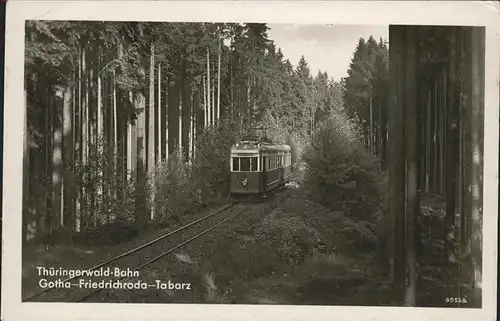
pixel 267 196
pixel 135 259
pixel 70 289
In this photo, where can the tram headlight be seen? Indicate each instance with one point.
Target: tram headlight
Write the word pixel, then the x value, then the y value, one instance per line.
pixel 244 182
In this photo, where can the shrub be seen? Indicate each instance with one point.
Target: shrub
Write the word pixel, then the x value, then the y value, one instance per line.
pixel 296 144
pixel 339 231
pixel 335 157
pixel 210 168
pixel 281 132
pixel 106 198
pixel 173 189
pixel 182 188
pixel 276 244
pixel 288 236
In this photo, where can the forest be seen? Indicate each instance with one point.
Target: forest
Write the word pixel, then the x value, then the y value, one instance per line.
pixel 129 124
pixel 112 106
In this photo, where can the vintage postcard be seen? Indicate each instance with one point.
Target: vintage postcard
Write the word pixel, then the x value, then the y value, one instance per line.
pixel 250 160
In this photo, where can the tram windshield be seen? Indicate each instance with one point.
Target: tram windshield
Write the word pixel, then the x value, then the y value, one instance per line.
pixel 244 164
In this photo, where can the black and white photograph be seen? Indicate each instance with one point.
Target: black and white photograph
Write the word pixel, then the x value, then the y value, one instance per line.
pixel 223 162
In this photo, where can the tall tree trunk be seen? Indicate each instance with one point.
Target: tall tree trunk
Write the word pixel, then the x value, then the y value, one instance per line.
pixel 384 137
pixel 46 225
pixel 184 112
pixel 115 118
pixel 379 130
pixel 141 205
pixel 79 140
pixel 68 157
pixel 460 134
pixel 132 151
pixel 85 143
pixel 205 102
pixel 100 141
pixel 452 131
pixel 231 89
pixel 173 118
pixel 411 136
pixel 476 172
pixel 190 128
pixel 370 135
pixel 167 107
pixel 208 89
pixel 194 108
pixel 151 127
pixel 76 111
pixel 212 117
pixel 117 158
pixel 121 124
pixel 444 122
pixel 396 150
pixel 94 186
pixel 36 169
pixel 186 104
pixel 159 117
pixel 57 165
pixel 428 142
pixel 26 171
pixel 48 163
pixel 465 222
pixel 218 80
pixel 180 95
pixel 435 174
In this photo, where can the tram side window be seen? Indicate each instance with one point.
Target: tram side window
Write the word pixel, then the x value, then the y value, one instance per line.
pixel 253 164
pixel 236 164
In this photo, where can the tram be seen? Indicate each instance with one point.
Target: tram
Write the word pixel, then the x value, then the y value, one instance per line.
pixel 258 166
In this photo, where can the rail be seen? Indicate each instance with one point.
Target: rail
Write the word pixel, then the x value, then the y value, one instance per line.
pixel 136 249
pixel 158 257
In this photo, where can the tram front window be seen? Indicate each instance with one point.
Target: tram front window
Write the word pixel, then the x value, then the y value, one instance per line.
pixel 245 164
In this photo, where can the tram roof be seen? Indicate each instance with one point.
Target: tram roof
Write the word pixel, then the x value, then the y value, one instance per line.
pixel 275 148
pixel 255 147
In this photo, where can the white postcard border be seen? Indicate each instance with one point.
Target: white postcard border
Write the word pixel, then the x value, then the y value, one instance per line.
pixel 312 12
